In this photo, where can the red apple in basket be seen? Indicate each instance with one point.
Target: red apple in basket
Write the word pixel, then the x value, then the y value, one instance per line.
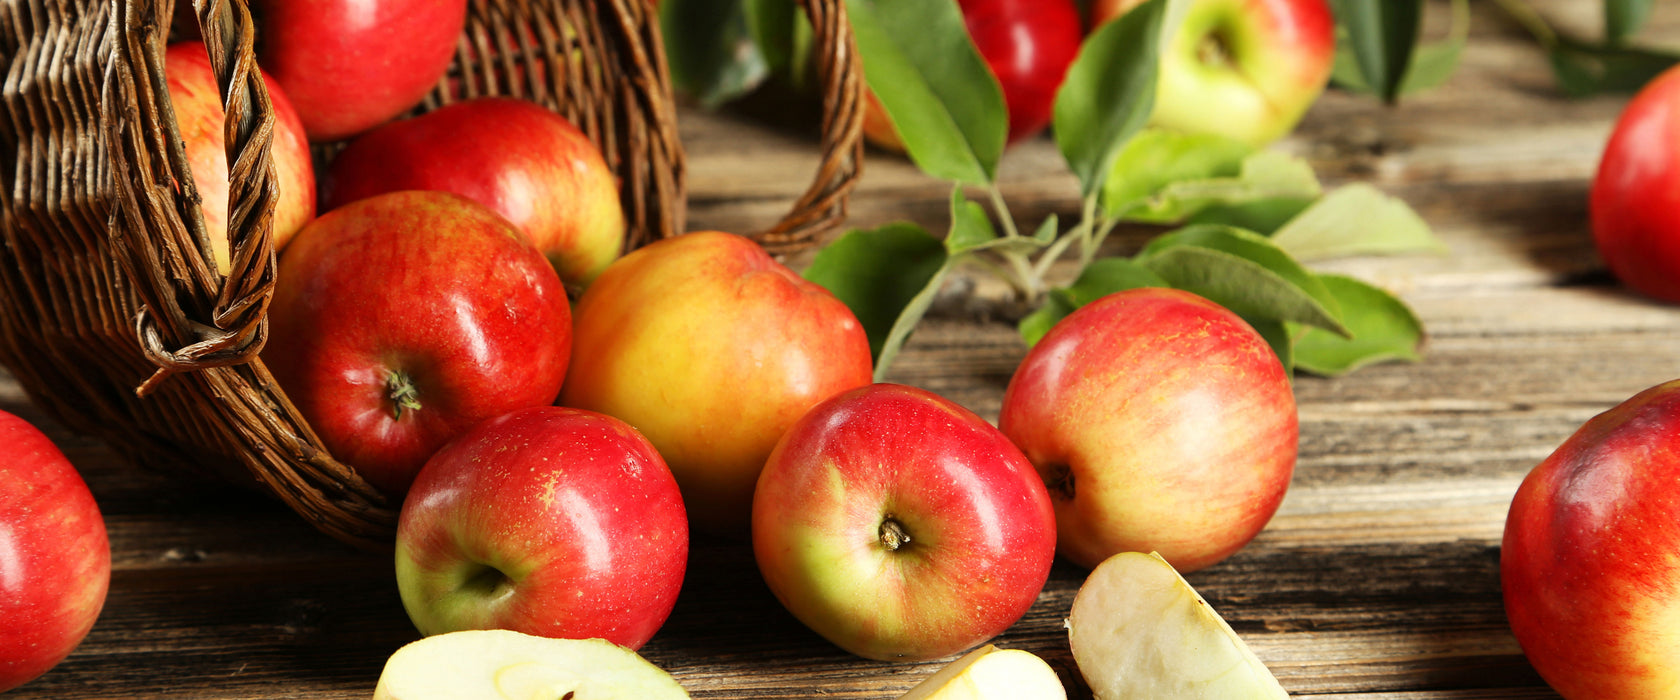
pixel 899 525
pixel 351 64
pixel 55 561
pixel 198 112
pixel 402 320
pixel 1247 69
pixel 1590 562
pixel 550 521
pixel 1160 421
pixel 1028 45
pixel 525 162
pixel 1635 200
pixel 711 349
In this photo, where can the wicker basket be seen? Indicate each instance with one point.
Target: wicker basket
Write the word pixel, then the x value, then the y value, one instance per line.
pixel 111 316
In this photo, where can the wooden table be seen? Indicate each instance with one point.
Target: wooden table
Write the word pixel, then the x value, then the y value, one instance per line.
pixel 1377 579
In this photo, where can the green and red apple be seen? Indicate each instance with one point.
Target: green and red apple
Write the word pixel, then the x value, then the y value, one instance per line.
pixel 1160 421
pixel 990 673
pixel 1590 562
pixel 400 321
pixel 1635 198
pixel 550 521
pixel 1246 69
pixel 508 665
pixel 711 349
pixel 528 164
pixel 197 104
pixel 55 559
pixel 901 526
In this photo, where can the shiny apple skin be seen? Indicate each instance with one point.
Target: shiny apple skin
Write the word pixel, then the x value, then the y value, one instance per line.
pixel 1590 560
pixel 429 284
pixel 198 112
pixel 1160 422
pixel 55 558
pixel 1635 197
pixel 575 509
pixel 981 531
pixel 528 164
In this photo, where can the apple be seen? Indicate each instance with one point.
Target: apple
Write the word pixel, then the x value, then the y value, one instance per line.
pixel 990 673
pixel 1160 421
pixel 198 112
pixel 1137 629
pixel 899 525
pixel 1636 192
pixel 1247 69
pixel 1027 44
pixel 549 521
pixel 400 321
pixel 711 349
pixel 351 64
pixel 55 560
pixel 1588 561
pixel 528 164
pixel 488 664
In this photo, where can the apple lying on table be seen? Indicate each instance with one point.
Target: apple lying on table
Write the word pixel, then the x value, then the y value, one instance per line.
pixel 1635 198
pixel 711 349
pixel 503 664
pixel 402 320
pixel 198 112
pixel 1247 69
pixel 990 673
pixel 1138 630
pixel 549 521
pixel 899 525
pixel 55 560
pixel 1589 559
pixel 1160 421
pixel 528 164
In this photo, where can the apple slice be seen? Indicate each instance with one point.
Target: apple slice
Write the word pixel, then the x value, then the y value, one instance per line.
pixel 503 664
pixel 1138 630
pixel 990 673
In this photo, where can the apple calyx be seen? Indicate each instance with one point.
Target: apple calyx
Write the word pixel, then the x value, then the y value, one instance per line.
pixel 893 535
pixel 399 388
pixel 1214 51
pixel 1058 480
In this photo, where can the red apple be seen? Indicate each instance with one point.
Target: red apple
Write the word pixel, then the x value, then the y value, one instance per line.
pixel 351 64
pixel 402 320
pixel 525 162
pixel 1160 421
pixel 198 111
pixel 550 521
pixel 1247 69
pixel 1028 45
pixel 1635 200
pixel 711 349
pixel 55 561
pixel 899 525
pixel 1588 563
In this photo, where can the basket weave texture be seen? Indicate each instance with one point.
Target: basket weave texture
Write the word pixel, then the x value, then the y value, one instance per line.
pixel 112 316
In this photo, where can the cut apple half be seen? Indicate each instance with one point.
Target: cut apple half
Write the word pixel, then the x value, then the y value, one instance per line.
pixel 508 665
pixel 990 673
pixel 1140 632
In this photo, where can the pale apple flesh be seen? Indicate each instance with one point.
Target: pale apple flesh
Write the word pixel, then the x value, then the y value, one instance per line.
pixel 990 673
pixel 508 665
pixel 1140 632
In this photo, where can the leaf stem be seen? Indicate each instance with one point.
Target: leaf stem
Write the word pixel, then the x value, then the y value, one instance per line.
pixel 1001 210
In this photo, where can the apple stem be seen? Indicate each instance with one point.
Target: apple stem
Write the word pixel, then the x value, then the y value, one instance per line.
pixel 893 535
pixel 400 389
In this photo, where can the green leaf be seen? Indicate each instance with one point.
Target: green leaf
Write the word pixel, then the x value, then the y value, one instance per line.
pixel 1356 219
pixel 1156 158
pixel 1248 246
pixel 1264 175
pixel 1109 91
pixel 1381 35
pixel 1624 17
pixel 1241 285
pixel 709 49
pixel 971 226
pixel 1583 69
pixel 1102 277
pixel 783 35
pixel 934 85
pixel 1262 216
pixel 1383 327
pixel 1431 63
pixel 881 275
pixel 1047 230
